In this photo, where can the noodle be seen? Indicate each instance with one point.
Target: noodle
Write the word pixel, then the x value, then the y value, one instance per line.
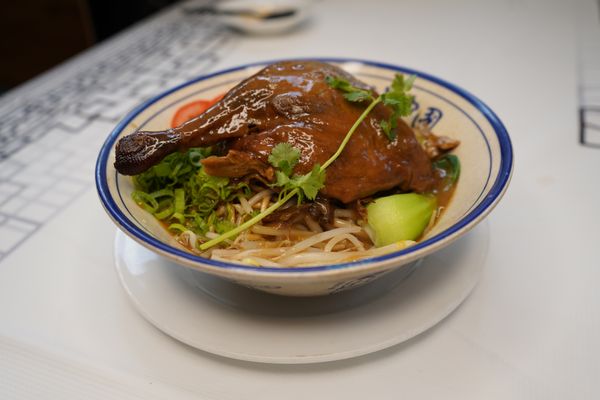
pixel 260 262
pixel 211 235
pixel 351 238
pixel 265 204
pixel 245 205
pixel 239 255
pixel 264 194
pixel 342 223
pixel 188 238
pixel 269 231
pixel 285 245
pixel 343 213
pixel 313 258
pixel 298 247
pixel 312 224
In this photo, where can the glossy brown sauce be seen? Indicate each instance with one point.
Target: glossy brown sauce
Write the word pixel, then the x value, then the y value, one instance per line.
pixel 444 192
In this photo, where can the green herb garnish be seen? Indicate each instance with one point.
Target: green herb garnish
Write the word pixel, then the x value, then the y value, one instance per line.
pixel 308 185
pixel 285 157
pixel 397 98
pixel 178 191
pixel 351 93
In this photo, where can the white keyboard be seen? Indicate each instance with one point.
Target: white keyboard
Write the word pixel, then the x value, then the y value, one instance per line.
pixel 52 128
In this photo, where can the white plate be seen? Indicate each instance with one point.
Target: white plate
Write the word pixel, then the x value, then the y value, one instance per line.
pixel 232 321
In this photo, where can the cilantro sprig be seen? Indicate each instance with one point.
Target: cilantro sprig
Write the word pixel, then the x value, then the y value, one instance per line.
pixel 396 97
pixel 351 93
pixel 284 156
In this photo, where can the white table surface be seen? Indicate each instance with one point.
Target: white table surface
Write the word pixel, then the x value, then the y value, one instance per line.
pixel 531 328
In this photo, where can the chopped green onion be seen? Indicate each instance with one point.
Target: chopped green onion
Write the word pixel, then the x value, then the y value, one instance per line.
pixel 166 212
pixel 179 201
pixel 162 193
pixel 178 191
pixel 178 227
pixel 179 217
pixel 144 200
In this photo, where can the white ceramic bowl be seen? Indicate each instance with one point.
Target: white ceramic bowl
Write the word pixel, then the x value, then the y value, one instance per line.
pixel 485 154
pixel 291 14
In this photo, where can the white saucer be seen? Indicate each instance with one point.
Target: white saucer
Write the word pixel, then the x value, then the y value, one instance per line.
pixel 232 321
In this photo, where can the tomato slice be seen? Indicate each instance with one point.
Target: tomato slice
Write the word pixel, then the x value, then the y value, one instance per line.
pixel 189 111
pixel 192 110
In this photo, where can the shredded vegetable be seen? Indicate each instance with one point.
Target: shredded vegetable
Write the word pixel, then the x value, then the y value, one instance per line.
pixel 178 192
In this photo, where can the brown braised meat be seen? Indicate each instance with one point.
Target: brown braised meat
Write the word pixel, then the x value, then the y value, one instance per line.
pixel 291 102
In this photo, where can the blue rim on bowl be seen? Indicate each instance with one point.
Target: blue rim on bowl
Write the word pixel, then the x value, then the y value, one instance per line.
pixel 494 194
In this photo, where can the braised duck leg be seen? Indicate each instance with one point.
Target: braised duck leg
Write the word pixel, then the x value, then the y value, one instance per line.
pixel 291 102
